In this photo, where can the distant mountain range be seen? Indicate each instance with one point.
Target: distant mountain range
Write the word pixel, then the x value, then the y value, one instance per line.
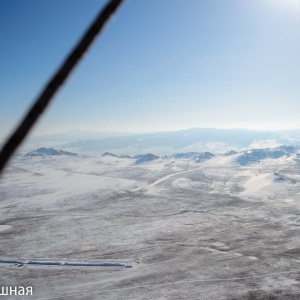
pixel 242 158
pixel 212 140
pixel 190 140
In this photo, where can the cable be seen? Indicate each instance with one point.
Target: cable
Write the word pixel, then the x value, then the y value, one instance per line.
pixel 56 82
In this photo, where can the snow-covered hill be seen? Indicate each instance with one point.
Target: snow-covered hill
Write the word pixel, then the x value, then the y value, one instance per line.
pixel 46 152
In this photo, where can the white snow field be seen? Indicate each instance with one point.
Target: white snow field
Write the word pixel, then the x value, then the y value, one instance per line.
pixel 92 227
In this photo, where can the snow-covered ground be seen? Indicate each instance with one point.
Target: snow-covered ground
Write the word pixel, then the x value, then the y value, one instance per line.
pixel 91 227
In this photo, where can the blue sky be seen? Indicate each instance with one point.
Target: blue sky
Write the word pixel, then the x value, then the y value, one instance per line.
pixel 160 65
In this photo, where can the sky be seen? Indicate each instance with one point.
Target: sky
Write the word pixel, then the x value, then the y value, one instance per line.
pixel 160 65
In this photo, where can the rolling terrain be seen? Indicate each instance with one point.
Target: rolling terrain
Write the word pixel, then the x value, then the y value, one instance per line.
pixel 184 226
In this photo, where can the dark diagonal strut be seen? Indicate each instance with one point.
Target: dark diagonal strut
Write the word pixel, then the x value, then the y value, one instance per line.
pixel 56 82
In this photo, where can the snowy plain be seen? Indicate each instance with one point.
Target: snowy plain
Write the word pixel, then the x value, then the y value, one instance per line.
pixel 184 230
